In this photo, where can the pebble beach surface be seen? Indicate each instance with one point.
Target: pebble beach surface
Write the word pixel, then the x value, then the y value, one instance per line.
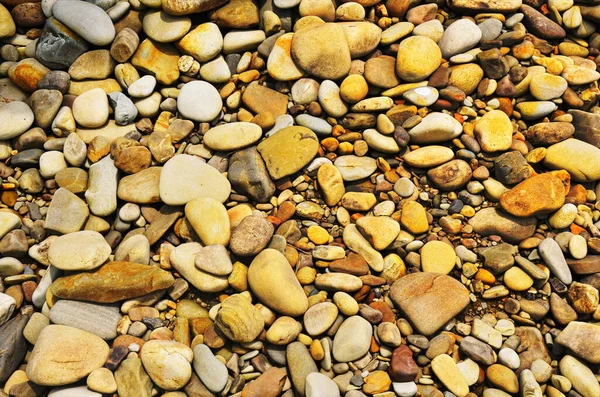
pixel 299 198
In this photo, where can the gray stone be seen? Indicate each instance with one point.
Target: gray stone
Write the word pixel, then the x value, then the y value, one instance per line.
pixel 98 319
pixel 58 46
pixel 88 20
pixel 124 109
pixel 300 364
pixel 67 212
pixel 12 345
pixel 211 371
pixel 553 256
pixel 248 175
pixel 490 221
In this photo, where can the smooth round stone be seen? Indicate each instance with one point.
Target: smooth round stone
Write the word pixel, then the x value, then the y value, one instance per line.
pixel 183 260
pixel 517 280
pixel 547 86
pixel 316 124
pixel 490 29
pixel 536 109
pixel 274 283
pixel 494 131
pixel 203 43
pixel 199 101
pixel 437 257
pixel 577 157
pixel 354 168
pixel 251 235
pixel 211 371
pixel 85 250
pixel 102 380
pixel 509 357
pixel 429 156
pixel 51 163
pixel 305 91
pixel 10 267
pixel 134 249
pixel 432 29
pixel 87 20
pixel 363 37
pixel 331 183
pixel 242 40
pixel 350 12
pixel 216 71
pixel 396 32
pixel 330 99
pixel 165 28
pixel 232 136
pixel 142 87
pixel 578 247
pixel 280 64
pixel 418 57
pixel 286 3
pixel 319 318
pixel 352 339
pixel 405 389
pixel 435 127
pixel 404 187
pixel 380 142
pixel 184 178
pixel 580 375
pixel 209 219
pixel 90 109
pixel 16 118
pixel 63 355
pixel 167 363
pixel 130 212
pixel 460 36
pixel 319 385
pixel 422 96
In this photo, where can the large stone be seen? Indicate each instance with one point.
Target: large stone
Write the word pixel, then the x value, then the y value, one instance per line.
pixel 159 59
pixel 85 250
pixel 490 221
pixel 352 339
pixel 460 36
pixel 554 258
pixel 422 297
pixel 274 283
pixel 418 57
pixel 587 126
pixel 64 355
pixel 435 127
pixel 538 195
pixel 88 20
pixel 288 151
pixel 579 158
pixel 300 364
pixel 12 345
pixel 17 118
pixel 183 260
pixel 7 28
pixel 583 339
pixel 67 212
pixel 211 371
pixel 141 187
pixel 132 380
pixel 209 219
pixel 581 376
pixel 540 25
pixel 113 282
pixel 184 178
pixel 168 363
pixel 248 175
pixel 199 101
pixel 322 51
pixel 97 319
pixel 261 99
pixel 232 136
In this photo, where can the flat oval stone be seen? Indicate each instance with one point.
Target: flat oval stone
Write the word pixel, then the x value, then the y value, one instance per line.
pixel 451 175
pixel 98 319
pixel 211 371
pixel 352 340
pixel 165 28
pixel 168 363
pixel 16 118
pixel 85 250
pixel 199 101
pixel 579 158
pixel 184 178
pixel 428 156
pixel 435 127
pixel 320 317
pixel 354 168
pixel 87 20
pixel 232 136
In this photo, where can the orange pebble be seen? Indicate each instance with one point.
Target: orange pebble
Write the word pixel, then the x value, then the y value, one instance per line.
pixel 485 277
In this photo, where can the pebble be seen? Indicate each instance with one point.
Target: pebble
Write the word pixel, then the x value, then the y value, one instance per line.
pixel 459 37
pixel 199 101
pixel 167 363
pixel 435 128
pixel 319 385
pixel 418 57
pixel 97 319
pixel 552 255
pixel 211 371
pixel 352 339
pixel 85 250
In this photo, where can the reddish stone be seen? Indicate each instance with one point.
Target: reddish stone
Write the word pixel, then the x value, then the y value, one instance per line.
pixel 402 366
pixel 388 314
pixel 28 287
pixel 353 264
pixel 373 281
pixel 269 384
pixel 126 340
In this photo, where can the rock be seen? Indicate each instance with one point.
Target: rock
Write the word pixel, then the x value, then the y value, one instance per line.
pixel 209 219
pixel 549 133
pixel 273 281
pixel 435 127
pixel 581 377
pixel 214 259
pixel 160 60
pixel 7 307
pixel 232 136
pixel 538 195
pixel 552 255
pixel 251 236
pixel 354 168
pixel 319 385
pixel 239 320
pixel 414 218
pixel 418 57
pixel 18 118
pixel 184 178
pixel 380 231
pixel 96 27
pixel 445 369
pixel 167 363
pixel 194 93
pixel 320 317
pixel 268 384
pixel 575 156
pixel 8 221
pixel 490 221
pixel 13 344
pixel 540 25
pixel 494 131
pixel 141 187
pixel 300 365
pixel 422 298
pixel 331 183
pixel 437 257
pixel 113 282
pixel 85 250
pixel 362 37
pixel 322 51
pixel 486 5
pixel 428 156
pixel 402 366
pixel 275 150
pixel 460 36
pixel 64 355
pixel 211 371
pixel 586 126
pixel 102 380
pixel 183 260
pixel 352 340
pixel 261 99
pixel 8 25
pixel 203 43
pixel 450 176
pixel 27 73
pixel 132 380
pixel 97 319
pixel 67 212
pixel 280 64
pixel 582 339
pixel 101 194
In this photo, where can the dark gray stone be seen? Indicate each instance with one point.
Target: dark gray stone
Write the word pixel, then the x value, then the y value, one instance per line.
pixel 27 158
pixel 12 345
pixel 248 175
pixel 58 46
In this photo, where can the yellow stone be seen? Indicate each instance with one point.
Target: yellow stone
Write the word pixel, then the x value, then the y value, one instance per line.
pixel 517 280
pixel 437 257
pixel 414 218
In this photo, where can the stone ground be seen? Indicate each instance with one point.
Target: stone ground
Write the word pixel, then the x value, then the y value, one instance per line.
pixel 299 198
